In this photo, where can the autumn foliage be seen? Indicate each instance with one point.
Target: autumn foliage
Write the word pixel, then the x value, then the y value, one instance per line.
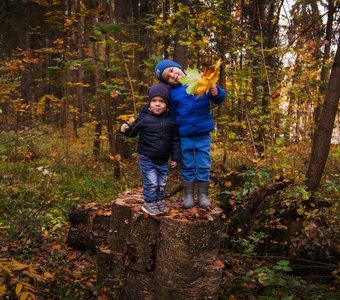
pixel 72 71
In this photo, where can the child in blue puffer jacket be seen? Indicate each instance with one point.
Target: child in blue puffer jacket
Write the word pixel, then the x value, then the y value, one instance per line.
pixel 195 123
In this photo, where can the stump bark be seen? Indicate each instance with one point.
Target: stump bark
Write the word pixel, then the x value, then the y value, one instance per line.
pixel 170 256
pixel 89 226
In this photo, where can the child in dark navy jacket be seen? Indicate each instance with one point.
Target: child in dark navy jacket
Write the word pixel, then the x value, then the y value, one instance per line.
pixel 194 123
pixel 158 140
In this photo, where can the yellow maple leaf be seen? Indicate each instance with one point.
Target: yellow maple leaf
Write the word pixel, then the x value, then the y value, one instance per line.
pixel 203 86
pixel 212 72
pixel 200 83
pixel 208 79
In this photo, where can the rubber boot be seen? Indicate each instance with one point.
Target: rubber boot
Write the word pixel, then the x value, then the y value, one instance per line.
pixel 203 190
pixel 188 194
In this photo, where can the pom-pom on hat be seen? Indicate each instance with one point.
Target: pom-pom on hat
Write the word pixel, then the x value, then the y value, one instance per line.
pixel 162 65
pixel 161 90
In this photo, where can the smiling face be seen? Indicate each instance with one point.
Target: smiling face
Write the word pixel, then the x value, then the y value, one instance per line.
pixel 157 105
pixel 172 75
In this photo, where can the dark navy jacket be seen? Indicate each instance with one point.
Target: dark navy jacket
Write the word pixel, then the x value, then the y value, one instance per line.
pixel 158 136
pixel 192 113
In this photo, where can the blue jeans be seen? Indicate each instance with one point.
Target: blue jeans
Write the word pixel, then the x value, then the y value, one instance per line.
pixel 196 161
pixel 154 178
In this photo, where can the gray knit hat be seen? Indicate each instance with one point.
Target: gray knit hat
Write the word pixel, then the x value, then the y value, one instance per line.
pixel 161 90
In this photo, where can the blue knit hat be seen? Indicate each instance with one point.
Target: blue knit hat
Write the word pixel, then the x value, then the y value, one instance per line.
pixel 162 65
pixel 161 90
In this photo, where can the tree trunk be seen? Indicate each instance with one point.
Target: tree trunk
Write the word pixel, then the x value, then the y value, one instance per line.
pixel 80 70
pixel 222 45
pixel 254 12
pixel 324 70
pixel 127 12
pixel 110 113
pixel 166 42
pixel 181 51
pixel 98 103
pixel 67 71
pixel 26 86
pixel 298 120
pixel 323 134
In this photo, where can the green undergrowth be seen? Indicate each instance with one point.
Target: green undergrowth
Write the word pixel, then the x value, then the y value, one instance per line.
pixel 281 240
pixel 45 172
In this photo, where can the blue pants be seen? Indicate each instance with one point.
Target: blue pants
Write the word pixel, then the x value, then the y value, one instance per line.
pixel 154 178
pixel 196 161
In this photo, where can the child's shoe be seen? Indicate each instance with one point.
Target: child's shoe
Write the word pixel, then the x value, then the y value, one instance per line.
pixel 162 207
pixel 188 194
pixel 151 208
pixel 203 189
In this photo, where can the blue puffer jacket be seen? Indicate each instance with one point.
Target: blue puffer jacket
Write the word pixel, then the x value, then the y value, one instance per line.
pixel 192 114
pixel 158 136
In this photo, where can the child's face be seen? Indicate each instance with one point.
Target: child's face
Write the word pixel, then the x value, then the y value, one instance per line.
pixel 157 105
pixel 172 75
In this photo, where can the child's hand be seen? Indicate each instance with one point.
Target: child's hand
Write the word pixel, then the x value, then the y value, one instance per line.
pixel 173 164
pixel 214 90
pixel 124 128
pixel 131 120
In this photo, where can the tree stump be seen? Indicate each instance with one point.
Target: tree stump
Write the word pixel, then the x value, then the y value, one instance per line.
pixel 89 226
pixel 170 256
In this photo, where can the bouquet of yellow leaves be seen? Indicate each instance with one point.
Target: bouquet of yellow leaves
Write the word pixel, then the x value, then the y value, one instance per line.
pixel 200 83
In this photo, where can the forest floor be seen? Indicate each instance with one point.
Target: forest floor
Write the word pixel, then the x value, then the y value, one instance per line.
pixel 43 175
